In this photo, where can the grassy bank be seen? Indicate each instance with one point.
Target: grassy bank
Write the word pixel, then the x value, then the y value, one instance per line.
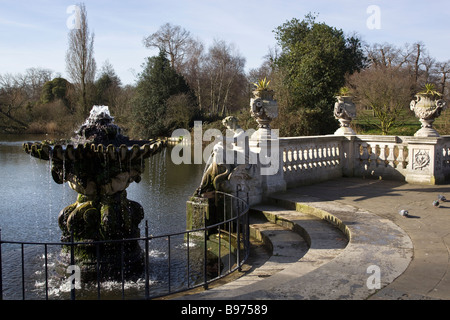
pixel 366 123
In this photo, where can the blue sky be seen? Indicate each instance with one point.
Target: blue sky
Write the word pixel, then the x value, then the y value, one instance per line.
pixel 34 33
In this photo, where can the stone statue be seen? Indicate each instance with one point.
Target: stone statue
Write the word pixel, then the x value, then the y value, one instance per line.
pixel 218 171
pixel 344 111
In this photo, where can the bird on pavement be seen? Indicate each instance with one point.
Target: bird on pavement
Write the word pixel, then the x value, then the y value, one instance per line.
pixel 403 213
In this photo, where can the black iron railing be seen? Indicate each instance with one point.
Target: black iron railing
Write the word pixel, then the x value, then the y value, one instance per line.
pixel 193 258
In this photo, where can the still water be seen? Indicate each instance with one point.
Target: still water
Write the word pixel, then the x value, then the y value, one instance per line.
pixel 30 200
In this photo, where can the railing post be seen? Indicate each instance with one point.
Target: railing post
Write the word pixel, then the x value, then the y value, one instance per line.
pixel 122 267
pixel 169 261
pixel 72 263
pixel 23 270
pixel 1 267
pixel 238 236
pixel 97 253
pixel 205 255
pixel 146 262
pixel 188 259
pixel 46 271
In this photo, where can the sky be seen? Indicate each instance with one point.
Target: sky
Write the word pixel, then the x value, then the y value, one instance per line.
pixel 34 33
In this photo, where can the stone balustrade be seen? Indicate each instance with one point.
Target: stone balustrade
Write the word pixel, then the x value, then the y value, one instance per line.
pixel 311 159
pixel 424 160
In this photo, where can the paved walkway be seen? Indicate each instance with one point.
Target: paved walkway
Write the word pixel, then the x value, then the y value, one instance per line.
pixel 412 253
pixel 427 276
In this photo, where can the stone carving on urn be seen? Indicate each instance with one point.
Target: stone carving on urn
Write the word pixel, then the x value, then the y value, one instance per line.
pixel 427 107
pixel 344 111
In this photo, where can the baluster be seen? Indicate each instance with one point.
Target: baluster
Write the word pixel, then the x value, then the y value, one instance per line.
pixel 405 157
pixel 315 156
pixel 374 155
pixel 289 159
pixel 364 155
pixel 330 155
pixel 382 156
pixel 446 156
pixel 335 154
pixel 320 157
pixel 295 159
pixel 338 154
pixel 390 155
pixel 310 157
pixel 302 155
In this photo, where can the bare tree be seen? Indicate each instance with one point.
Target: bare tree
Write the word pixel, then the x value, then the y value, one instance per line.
pixel 429 68
pixel 13 97
pixel 174 41
pixel 443 69
pixel 382 55
pixel 387 91
pixel 418 50
pixel 80 62
pixel 193 70
pixel 224 69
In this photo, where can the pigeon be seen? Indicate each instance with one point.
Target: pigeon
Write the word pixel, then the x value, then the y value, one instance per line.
pixel 436 203
pixel 403 213
pixel 441 198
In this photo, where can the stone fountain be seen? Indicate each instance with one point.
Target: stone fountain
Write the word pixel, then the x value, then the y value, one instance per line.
pixel 99 163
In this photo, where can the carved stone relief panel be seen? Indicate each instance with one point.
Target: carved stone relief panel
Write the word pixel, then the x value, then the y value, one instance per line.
pixel 421 160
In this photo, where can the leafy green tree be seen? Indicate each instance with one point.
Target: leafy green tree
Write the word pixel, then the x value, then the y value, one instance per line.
pixel 314 61
pixel 156 84
pixel 56 89
pixel 107 87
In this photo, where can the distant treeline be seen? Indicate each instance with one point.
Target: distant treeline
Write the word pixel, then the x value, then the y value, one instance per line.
pixel 186 82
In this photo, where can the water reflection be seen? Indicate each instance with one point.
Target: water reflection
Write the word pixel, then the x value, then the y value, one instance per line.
pixel 30 203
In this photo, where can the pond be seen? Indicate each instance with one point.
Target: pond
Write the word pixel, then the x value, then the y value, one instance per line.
pixel 30 202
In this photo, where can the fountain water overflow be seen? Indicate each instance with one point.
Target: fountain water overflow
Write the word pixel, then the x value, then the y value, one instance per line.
pixel 99 163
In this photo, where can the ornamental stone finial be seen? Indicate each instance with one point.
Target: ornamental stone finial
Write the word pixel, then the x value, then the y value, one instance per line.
pixel 344 111
pixel 427 107
pixel 263 107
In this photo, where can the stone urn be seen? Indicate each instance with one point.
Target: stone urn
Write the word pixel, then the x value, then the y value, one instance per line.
pixel 344 111
pixel 99 163
pixel 427 108
pixel 263 107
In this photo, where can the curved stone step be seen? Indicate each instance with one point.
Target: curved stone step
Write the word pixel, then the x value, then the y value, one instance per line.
pixel 285 246
pixel 292 237
pixel 374 244
pixel 330 269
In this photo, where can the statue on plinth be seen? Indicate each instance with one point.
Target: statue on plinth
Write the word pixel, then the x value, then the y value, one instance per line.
pixel 345 112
